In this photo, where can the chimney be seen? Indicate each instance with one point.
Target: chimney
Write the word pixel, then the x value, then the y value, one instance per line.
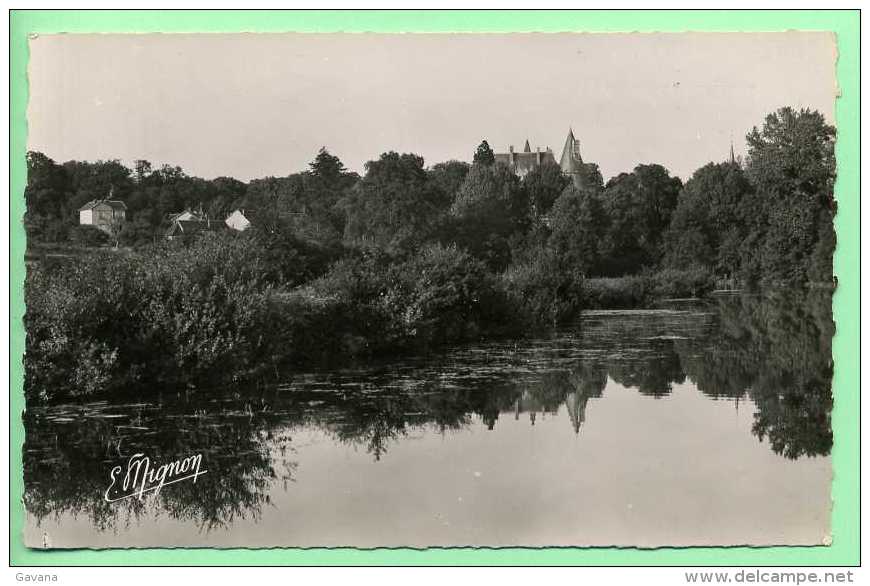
pixel 538 151
pixel 511 155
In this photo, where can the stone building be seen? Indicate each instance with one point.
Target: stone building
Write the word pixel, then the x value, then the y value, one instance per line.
pixel 571 161
pixel 522 163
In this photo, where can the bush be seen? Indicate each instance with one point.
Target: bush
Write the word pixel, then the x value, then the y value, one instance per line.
pixel 444 295
pixel 178 315
pixel 372 302
pixel 547 288
pixel 42 228
pixel 286 257
pixel 616 293
pixel 675 283
pixel 86 235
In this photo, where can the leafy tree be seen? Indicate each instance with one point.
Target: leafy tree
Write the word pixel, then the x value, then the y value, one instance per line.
pixel 137 232
pixel 588 176
pixel 394 206
pixel 447 178
pixel 309 200
pixel 45 193
pixel 544 185
pixel 792 155
pixel 484 155
pixel 98 180
pixel 489 210
pixel 323 189
pixel 285 257
pixel 622 246
pixel 327 167
pixel 791 164
pixel 656 198
pixel 41 228
pixel 578 224
pixel 224 192
pixel 711 220
pixel 639 205
pixel 275 195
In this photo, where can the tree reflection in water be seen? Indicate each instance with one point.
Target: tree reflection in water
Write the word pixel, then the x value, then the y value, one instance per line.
pixel 774 350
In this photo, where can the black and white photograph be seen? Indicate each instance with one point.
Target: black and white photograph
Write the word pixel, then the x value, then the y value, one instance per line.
pixel 429 290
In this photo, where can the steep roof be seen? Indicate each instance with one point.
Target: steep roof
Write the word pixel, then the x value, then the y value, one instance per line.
pixel 527 148
pixel 571 159
pixel 525 162
pixel 192 215
pixel 188 227
pixel 115 204
pixel 246 213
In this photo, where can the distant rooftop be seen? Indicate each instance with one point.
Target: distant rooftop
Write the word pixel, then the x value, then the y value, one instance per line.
pixel 112 203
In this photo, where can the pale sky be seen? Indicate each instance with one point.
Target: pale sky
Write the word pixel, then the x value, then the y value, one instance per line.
pixel 252 105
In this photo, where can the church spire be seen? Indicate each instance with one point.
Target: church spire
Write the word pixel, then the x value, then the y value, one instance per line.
pixel 733 160
pixel 527 148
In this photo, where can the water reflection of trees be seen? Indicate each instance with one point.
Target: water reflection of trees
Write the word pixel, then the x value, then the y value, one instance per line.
pixel 68 453
pixel 774 350
pixel 653 374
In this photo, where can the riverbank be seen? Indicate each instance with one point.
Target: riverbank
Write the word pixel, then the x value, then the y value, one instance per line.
pixel 221 311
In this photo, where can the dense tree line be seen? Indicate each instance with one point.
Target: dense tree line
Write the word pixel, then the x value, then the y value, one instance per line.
pixel 769 220
pixel 405 256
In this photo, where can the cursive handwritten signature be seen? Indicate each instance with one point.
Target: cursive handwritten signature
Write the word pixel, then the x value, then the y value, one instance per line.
pixel 143 477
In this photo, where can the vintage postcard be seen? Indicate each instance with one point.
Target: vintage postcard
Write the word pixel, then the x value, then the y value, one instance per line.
pixel 300 290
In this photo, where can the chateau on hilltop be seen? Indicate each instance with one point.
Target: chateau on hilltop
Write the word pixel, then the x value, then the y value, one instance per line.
pixel 521 163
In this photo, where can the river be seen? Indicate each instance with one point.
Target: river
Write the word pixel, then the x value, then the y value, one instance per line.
pixel 689 424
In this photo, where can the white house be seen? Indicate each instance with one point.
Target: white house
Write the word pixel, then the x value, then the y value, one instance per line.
pixel 238 221
pixel 102 213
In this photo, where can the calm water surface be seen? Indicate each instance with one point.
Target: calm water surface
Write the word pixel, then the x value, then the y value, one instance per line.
pixel 694 424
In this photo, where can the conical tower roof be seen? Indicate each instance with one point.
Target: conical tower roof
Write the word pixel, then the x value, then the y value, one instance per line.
pixel 527 148
pixel 571 160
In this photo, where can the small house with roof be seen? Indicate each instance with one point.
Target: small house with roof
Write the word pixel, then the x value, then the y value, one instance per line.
pixel 189 223
pixel 239 220
pixel 103 214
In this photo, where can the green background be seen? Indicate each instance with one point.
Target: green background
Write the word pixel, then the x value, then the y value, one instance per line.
pixel 845 549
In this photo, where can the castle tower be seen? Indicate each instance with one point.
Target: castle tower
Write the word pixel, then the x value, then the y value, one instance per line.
pixel 571 159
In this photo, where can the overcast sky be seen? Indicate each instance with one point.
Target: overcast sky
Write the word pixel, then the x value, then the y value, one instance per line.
pixel 251 105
